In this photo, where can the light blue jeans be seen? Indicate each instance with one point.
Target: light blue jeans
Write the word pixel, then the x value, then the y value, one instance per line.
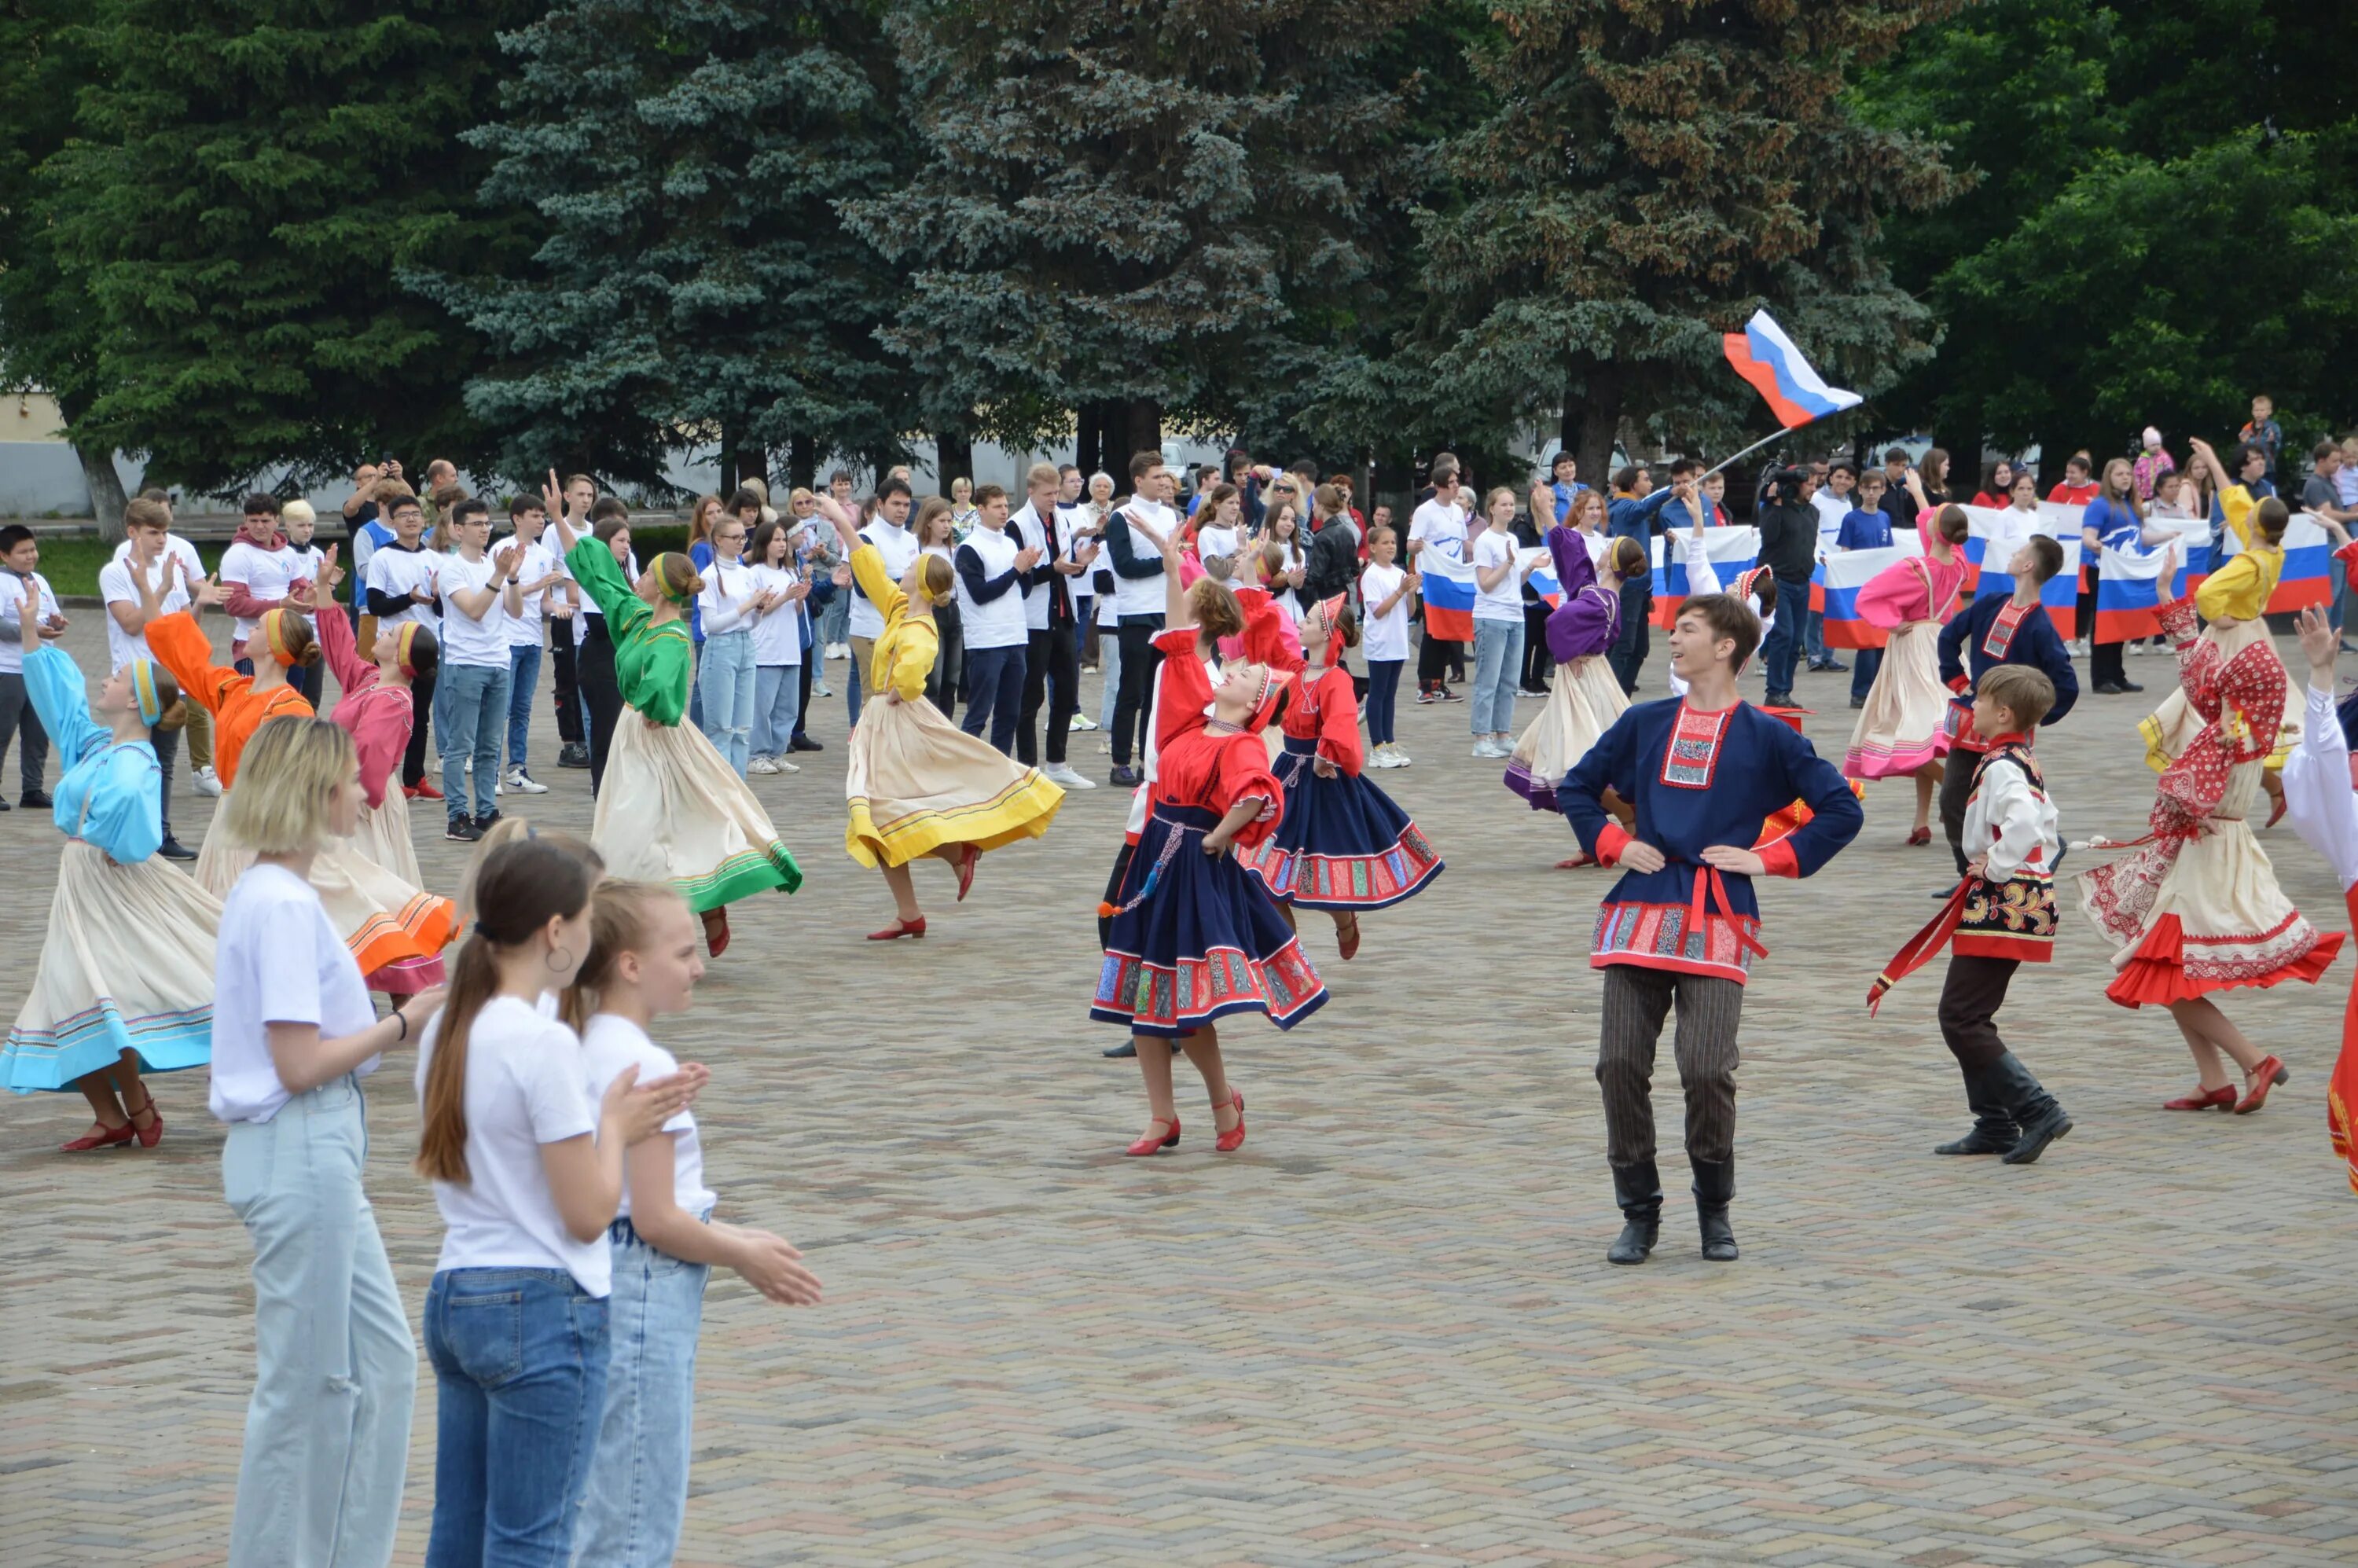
pixel 777 703
pixel 474 703
pixel 1109 667
pixel 327 1433
pixel 523 679
pixel 637 1496
pixel 725 676
pixel 520 1380
pixel 1497 665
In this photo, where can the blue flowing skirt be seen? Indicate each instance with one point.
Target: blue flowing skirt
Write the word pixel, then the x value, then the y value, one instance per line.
pixel 1195 937
pixel 1343 843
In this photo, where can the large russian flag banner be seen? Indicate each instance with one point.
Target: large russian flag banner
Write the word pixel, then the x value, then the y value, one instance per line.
pixel 1796 392
pixel 1990 547
pixel 1906 544
pixel 1545 581
pixel 1846 572
pixel 2128 592
pixel 2308 567
pixel 1729 550
pixel 1447 586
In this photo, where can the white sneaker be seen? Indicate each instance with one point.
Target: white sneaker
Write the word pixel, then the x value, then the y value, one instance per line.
pixel 1062 773
pixel 1083 721
pixel 838 650
pixel 780 765
pixel 206 782
pixel 1381 757
pixel 820 689
pixel 762 765
pixel 523 782
pixel 499 785
pixel 1401 759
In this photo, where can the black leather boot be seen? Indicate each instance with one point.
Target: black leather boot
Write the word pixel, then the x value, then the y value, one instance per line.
pixel 1715 1185
pixel 2033 1108
pixel 1995 1131
pixel 1639 1190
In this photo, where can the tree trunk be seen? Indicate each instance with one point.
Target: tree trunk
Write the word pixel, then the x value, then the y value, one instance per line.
pixel 802 462
pixel 953 457
pixel 1140 430
pixel 1592 418
pixel 106 498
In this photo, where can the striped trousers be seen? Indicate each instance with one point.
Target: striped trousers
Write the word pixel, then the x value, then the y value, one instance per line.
pixel 1635 1003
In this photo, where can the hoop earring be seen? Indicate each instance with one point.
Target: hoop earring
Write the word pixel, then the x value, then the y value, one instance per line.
pixel 559 960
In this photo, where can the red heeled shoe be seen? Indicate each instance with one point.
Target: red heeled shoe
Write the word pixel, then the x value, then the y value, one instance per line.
pixel 716 931
pixel 2276 812
pixel 2223 1096
pixel 1231 1141
pixel 1573 861
pixel 966 871
pixel 105 1137
pixel 899 929
pixel 153 1133
pixel 1149 1144
pixel 1347 939
pixel 1919 835
pixel 2265 1077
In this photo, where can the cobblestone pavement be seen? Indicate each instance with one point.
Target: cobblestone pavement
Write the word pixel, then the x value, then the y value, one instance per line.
pixel 1385 1331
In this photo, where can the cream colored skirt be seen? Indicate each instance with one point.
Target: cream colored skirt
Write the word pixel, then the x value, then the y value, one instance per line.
pixel 383 836
pixel 916 781
pixel 670 810
pixel 1900 728
pixel 2171 728
pixel 1580 707
pixel 397 930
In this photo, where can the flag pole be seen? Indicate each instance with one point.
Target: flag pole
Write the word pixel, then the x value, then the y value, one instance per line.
pixel 1779 435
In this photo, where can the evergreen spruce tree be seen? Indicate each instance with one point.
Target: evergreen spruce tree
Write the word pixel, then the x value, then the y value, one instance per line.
pixel 247 176
pixel 693 287
pixel 1130 205
pixel 1651 175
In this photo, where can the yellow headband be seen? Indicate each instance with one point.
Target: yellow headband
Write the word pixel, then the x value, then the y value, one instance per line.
pixel 407 635
pixel 274 632
pixel 143 691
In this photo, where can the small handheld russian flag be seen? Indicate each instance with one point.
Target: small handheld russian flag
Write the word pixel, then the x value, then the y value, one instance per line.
pixel 1763 355
pixel 1448 589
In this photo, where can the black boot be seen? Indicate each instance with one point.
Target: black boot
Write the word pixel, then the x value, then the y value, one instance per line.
pixel 1995 1131
pixel 1715 1184
pixel 1639 1190
pixel 2033 1108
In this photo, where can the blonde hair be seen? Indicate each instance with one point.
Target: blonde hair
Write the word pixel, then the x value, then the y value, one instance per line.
pixel 939 580
pixel 676 576
pixel 2022 690
pixel 507 831
pixel 298 510
pixel 1215 609
pixel 1042 476
pixel 286 776
pixel 621 916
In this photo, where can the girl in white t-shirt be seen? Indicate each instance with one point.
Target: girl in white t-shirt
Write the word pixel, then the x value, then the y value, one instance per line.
pixel 779 630
pixel 1387 590
pixel 528 1174
pixel 643 965
pixel 327 1433
pixel 1498 625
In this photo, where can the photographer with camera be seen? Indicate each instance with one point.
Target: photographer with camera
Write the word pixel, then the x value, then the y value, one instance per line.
pixel 1789 548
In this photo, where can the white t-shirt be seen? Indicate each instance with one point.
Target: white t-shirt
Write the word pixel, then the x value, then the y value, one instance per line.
pixel 396 573
pixel 609 1046
pixel 115 586
pixel 265 573
pixel 539 560
pixel 177 546
pixel 13 595
pixel 1383 637
pixel 1213 540
pixel 278 959
pixel 899 547
pixel 525 1088
pixel 1832 510
pixel 1142 595
pixel 1493 549
pixel 778 636
pixel 478 641
pixel 1438 527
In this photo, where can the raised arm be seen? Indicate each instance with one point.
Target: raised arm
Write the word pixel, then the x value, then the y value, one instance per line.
pixel 181 646
pixel 2317 794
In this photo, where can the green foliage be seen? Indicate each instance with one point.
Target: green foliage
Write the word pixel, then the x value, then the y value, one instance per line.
pixel 46 314
pixel 693 285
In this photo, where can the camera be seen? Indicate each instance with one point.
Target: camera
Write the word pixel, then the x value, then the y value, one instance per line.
pixel 1787 485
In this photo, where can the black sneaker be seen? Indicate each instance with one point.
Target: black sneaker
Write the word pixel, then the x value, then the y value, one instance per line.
pixel 4 805
pixel 171 849
pixel 462 831
pixel 483 823
pixel 1124 776
pixel 573 754
pixel 804 743
pixel 35 800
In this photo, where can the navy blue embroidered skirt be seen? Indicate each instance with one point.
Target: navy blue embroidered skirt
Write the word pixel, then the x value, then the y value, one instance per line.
pixel 1195 937
pixel 1343 843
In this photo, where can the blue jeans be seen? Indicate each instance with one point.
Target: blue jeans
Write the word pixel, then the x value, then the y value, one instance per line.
pixel 520 1372
pixel 1814 639
pixel 994 682
pixel 725 676
pixel 1864 662
pixel 524 682
pixel 474 703
pixel 854 698
pixel 1498 667
pixel 1776 654
pixel 834 621
pixel 777 706
pixel 637 1494
pixel 327 1433
pixel 1109 669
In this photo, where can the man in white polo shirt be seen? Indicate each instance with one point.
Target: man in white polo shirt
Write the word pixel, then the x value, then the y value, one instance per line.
pixel 889 531
pixel 1439 526
pixel 479 596
pixel 1138 601
pixel 147 532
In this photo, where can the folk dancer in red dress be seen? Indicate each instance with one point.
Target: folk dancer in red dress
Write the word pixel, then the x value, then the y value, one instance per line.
pixel 2196 909
pixel 1705 772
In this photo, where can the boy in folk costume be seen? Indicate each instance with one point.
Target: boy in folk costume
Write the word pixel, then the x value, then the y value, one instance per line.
pixel 1988 633
pixel 2001 916
pixel 1705 772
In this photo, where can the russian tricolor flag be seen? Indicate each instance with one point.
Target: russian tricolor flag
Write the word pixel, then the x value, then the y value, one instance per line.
pixel 1996 533
pixel 2129 592
pixel 1845 573
pixel 1797 393
pixel 2308 565
pixel 1447 586
pixel 1729 550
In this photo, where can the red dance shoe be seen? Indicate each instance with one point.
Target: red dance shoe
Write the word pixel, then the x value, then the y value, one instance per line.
pixel 1577 859
pixel 2265 1077
pixel 425 790
pixel 1919 836
pixel 104 1138
pixel 899 929
pixel 2223 1096
pixel 1149 1144
pixel 1231 1141
pixel 716 931
pixel 153 1133
pixel 1347 939
pixel 966 871
pixel 2276 812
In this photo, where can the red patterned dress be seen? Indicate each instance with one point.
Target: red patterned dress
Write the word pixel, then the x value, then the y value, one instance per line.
pixel 2196 907
pixel 1342 843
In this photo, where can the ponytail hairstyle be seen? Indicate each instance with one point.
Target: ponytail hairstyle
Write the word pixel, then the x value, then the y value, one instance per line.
pixel 675 575
pixel 1274 558
pixel 1215 607
pixel 619 923
pixel 1624 556
pixel 507 829
pixel 2269 518
pixel 940 579
pixel 1951 524
pixel 1347 624
pixel 519 888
